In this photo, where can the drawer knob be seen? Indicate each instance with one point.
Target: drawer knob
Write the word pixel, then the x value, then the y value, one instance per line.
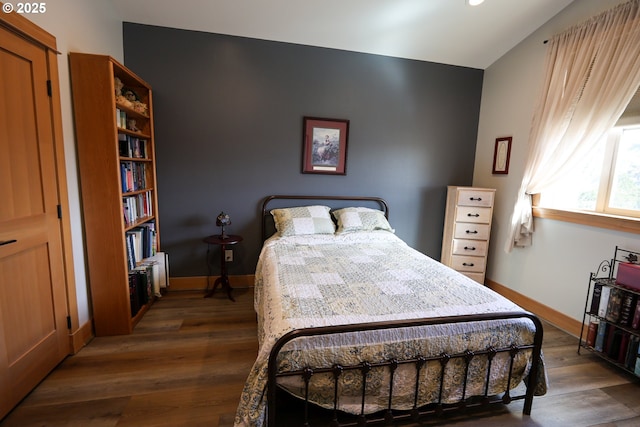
pixel 479 199
pixel 475 215
pixel 471 231
pixel 470 248
pixel 467 264
pixel 7 242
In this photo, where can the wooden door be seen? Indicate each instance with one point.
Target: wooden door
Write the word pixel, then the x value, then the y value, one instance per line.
pixel 33 301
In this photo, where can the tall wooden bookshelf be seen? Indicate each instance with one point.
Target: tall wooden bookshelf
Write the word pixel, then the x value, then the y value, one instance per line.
pixel 105 123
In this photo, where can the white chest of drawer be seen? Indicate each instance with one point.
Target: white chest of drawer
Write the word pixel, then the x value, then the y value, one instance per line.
pixel 467 228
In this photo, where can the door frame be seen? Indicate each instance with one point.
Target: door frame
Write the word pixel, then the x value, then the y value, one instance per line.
pixel 36 35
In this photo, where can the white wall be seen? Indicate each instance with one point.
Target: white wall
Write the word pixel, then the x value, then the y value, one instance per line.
pixel 555 270
pixel 79 26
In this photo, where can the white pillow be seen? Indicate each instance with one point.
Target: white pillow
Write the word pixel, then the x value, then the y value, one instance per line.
pixel 361 219
pixel 303 220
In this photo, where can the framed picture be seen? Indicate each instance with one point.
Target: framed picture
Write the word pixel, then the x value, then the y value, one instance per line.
pixel 501 155
pixel 325 146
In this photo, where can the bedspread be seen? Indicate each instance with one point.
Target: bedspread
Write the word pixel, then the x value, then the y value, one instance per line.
pixel 322 280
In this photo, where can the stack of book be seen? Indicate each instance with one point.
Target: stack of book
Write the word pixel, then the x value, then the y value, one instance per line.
pixel 615 330
pixel 133 176
pixel 137 207
pixel 141 243
pixel 140 286
pixel 147 280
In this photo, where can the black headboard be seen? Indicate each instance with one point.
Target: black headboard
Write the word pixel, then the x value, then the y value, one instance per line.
pixel 271 199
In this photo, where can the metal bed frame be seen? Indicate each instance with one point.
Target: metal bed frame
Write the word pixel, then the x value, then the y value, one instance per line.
pixel 391 416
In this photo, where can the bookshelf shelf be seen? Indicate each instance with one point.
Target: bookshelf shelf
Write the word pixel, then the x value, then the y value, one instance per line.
pixel 116 156
pixel 134 133
pixel 134 159
pixel 139 222
pixel 131 112
pixel 133 193
pixel 611 320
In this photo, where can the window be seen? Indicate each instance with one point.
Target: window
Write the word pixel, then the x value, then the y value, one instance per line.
pixel 607 182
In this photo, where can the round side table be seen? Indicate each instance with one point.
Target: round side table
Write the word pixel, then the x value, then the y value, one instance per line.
pixel 223 280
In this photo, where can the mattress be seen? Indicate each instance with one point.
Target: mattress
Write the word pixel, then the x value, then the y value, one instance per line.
pixel 373 276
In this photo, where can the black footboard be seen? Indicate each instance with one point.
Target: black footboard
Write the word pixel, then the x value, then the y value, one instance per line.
pixel 391 415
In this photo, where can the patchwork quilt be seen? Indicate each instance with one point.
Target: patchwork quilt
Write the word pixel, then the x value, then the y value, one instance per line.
pixel 346 278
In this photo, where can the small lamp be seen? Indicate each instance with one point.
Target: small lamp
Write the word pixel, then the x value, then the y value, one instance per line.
pixel 222 221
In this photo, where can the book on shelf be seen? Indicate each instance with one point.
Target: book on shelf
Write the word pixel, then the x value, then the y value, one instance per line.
pixel 595 298
pixel 134 299
pixel 137 207
pixel 141 242
pixel 160 272
pixel 627 308
pixel 122 145
pixel 632 352
pixel 635 322
pixel 147 235
pixel 121 119
pixel 130 210
pixel 601 336
pixel 124 177
pixel 133 176
pixel 614 305
pixel 612 342
pixel 592 332
pixel 624 344
pixel 604 301
pixel 637 364
pixel 132 146
pixel 135 235
pixel 144 276
pixel 139 288
pixel 131 259
pixel 140 176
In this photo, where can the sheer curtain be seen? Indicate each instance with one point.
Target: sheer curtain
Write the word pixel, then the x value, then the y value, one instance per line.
pixel 593 71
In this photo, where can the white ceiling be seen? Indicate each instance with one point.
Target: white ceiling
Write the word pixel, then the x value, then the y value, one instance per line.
pixel 444 31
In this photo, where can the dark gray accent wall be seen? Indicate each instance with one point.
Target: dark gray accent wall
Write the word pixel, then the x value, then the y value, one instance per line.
pixel 228 125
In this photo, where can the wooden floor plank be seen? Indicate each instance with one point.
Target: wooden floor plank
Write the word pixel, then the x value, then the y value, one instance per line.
pixel 187 360
pixel 103 413
pixel 628 393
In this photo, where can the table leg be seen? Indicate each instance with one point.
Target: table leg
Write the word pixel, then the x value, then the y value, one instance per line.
pixel 223 280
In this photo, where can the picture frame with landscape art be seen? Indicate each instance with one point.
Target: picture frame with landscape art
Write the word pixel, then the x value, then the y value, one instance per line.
pixel 501 155
pixel 325 146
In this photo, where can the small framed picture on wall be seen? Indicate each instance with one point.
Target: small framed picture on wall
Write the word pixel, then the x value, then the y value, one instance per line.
pixel 501 155
pixel 325 146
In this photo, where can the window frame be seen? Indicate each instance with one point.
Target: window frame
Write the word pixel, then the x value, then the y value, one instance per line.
pixel 606 179
pixel 603 216
pixel 594 219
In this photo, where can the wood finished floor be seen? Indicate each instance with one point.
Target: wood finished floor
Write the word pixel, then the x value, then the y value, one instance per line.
pixel 187 360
